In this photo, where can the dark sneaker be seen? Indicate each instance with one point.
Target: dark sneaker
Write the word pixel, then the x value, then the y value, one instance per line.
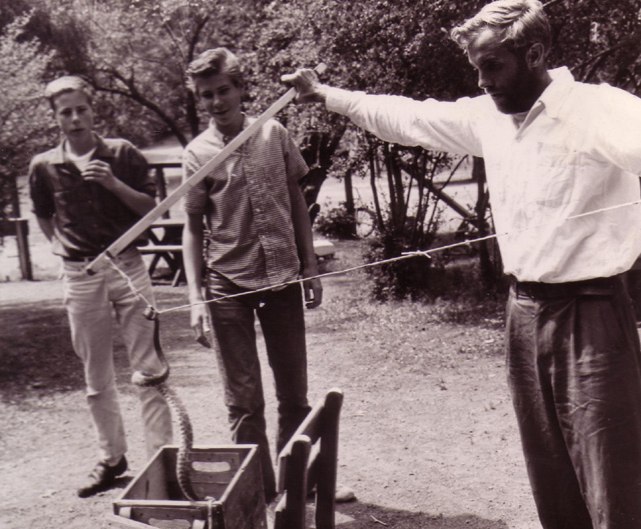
pixel 102 477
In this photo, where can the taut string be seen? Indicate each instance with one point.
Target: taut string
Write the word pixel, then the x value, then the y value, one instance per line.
pixel 406 255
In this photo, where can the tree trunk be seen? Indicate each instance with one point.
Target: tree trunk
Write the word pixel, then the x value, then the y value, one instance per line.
pixel 489 257
pixel 317 150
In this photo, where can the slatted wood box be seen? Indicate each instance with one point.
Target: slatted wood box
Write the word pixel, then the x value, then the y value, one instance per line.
pixel 227 478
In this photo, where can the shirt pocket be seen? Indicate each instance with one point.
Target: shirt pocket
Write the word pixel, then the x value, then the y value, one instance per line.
pixel 76 201
pixel 555 170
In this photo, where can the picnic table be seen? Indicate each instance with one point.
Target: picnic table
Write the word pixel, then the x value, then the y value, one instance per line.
pixel 165 244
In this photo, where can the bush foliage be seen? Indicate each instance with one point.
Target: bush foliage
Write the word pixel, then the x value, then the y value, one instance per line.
pixel 336 222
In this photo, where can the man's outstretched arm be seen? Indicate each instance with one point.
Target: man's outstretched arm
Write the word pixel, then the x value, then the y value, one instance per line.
pixel 431 124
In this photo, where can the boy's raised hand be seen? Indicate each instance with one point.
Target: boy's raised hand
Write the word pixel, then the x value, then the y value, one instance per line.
pixel 99 172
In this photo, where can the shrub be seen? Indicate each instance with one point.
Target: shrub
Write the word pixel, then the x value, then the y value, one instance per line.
pixel 408 278
pixel 420 278
pixel 336 222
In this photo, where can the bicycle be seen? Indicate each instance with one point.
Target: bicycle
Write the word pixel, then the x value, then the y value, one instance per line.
pixel 365 220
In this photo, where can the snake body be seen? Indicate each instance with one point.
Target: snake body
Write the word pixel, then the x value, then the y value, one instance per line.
pixel 159 382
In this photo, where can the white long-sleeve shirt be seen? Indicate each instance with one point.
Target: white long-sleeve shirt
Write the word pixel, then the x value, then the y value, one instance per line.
pixel 578 150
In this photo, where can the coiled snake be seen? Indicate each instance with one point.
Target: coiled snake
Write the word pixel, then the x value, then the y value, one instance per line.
pixel 159 382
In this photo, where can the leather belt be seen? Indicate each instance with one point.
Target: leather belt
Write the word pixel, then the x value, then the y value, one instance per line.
pixel 599 286
pixel 79 259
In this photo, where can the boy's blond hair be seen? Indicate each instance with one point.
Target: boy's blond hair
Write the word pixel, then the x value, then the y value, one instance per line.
pixel 65 84
pixel 212 62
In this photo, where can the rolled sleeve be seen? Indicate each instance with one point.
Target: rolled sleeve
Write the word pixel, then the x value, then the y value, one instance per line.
pixel 196 199
pixel 139 177
pixel 41 196
pixel 295 165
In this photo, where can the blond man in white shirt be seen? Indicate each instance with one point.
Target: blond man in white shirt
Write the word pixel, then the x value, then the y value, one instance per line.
pixel 560 157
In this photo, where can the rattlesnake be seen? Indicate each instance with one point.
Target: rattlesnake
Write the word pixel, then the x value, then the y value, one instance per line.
pixel 159 382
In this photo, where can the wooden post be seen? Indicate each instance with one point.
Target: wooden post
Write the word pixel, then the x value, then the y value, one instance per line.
pixel 19 227
pixel 162 187
pixel 22 239
pixel 349 198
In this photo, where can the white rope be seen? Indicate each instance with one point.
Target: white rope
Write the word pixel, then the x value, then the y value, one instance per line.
pixel 405 255
pixel 130 283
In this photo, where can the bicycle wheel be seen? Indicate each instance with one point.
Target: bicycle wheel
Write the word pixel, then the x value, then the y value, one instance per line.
pixel 365 222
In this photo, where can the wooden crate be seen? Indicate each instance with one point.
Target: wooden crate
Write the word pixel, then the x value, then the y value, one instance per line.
pixel 227 478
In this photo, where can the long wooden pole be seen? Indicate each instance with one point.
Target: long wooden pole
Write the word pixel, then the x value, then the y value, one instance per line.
pixel 145 222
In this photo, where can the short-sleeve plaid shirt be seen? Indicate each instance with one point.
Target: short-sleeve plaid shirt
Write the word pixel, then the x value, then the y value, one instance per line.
pixel 246 204
pixel 87 217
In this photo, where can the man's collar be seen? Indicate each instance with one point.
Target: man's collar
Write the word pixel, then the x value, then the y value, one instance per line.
pixel 556 92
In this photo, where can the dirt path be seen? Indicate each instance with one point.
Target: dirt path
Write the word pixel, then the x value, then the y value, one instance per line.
pixel 428 439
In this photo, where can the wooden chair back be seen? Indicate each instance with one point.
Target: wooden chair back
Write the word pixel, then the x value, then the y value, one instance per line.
pixel 309 463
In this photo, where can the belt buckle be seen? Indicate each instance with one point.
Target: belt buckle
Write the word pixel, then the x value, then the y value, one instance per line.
pixel 523 289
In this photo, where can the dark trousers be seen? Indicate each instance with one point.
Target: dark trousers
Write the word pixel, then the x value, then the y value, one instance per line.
pixel 574 370
pixel 282 321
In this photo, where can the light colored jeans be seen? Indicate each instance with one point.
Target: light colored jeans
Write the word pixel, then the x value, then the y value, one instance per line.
pixel 92 301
